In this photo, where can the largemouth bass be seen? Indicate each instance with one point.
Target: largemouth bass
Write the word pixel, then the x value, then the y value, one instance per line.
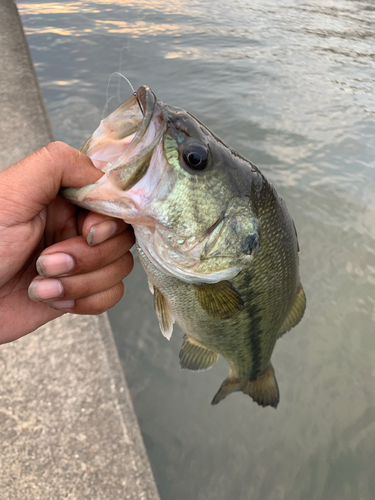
pixel 217 243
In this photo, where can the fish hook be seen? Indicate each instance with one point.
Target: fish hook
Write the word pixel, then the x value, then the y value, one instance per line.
pixel 139 102
pixel 131 86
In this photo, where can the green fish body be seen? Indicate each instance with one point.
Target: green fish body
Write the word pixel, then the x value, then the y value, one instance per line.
pixel 217 243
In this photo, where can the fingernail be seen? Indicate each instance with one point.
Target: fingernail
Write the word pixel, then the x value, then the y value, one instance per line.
pixel 55 264
pixel 101 232
pixel 62 304
pixel 45 289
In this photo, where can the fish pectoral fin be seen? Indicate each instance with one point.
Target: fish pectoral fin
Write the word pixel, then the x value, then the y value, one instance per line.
pixel 263 390
pixel 219 300
pixel 164 314
pixel 194 356
pixel 296 312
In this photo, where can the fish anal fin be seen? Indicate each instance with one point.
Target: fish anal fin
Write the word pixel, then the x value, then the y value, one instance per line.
pixel 194 356
pixel 264 390
pixel 163 313
pixel 296 312
pixel 229 385
pixel 219 300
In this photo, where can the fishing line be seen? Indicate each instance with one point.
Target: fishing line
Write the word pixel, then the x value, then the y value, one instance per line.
pixel 109 99
pixel 125 47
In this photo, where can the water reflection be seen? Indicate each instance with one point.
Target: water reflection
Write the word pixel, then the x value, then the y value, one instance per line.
pixel 139 28
pixel 55 8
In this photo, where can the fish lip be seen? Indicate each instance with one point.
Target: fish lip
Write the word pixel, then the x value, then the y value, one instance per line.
pixel 149 106
pixel 147 101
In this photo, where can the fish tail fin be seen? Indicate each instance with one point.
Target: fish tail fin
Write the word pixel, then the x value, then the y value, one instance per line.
pixel 263 390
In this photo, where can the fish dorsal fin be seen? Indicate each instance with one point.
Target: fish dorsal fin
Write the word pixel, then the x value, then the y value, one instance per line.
pixel 296 312
pixel 163 313
pixel 219 300
pixel 263 390
pixel 194 356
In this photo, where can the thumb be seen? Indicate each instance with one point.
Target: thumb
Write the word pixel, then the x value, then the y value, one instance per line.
pixel 32 183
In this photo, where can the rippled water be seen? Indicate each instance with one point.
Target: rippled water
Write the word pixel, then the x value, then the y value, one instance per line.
pixel 290 85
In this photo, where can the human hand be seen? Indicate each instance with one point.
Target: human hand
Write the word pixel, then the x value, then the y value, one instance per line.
pixel 41 231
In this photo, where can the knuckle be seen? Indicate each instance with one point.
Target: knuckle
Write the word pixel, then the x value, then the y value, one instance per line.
pixel 127 263
pixel 103 252
pixel 55 148
pixel 92 258
pixel 115 294
pixel 101 301
pixel 130 235
pixel 98 310
pixel 107 299
pixel 59 149
pixel 109 250
pixel 95 305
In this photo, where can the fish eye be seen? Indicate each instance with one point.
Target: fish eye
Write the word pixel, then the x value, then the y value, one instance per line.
pixel 196 157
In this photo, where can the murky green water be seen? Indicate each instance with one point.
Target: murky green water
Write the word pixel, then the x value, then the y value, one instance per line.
pixel 290 85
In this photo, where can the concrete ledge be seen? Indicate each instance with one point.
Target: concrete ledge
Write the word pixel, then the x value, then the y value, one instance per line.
pixel 67 423
pixel 24 124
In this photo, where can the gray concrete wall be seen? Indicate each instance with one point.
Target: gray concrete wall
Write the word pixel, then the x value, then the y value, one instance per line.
pixel 24 124
pixel 67 423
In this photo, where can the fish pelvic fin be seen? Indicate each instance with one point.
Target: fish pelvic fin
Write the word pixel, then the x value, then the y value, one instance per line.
pixel 296 312
pixel 194 356
pixel 263 390
pixel 164 314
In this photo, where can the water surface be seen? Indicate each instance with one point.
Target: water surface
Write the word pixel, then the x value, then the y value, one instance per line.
pixel 290 85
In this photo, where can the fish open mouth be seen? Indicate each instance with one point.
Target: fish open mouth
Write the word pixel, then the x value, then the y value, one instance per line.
pixel 122 145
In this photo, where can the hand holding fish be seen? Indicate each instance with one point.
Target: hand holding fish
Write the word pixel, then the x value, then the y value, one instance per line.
pixel 55 257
